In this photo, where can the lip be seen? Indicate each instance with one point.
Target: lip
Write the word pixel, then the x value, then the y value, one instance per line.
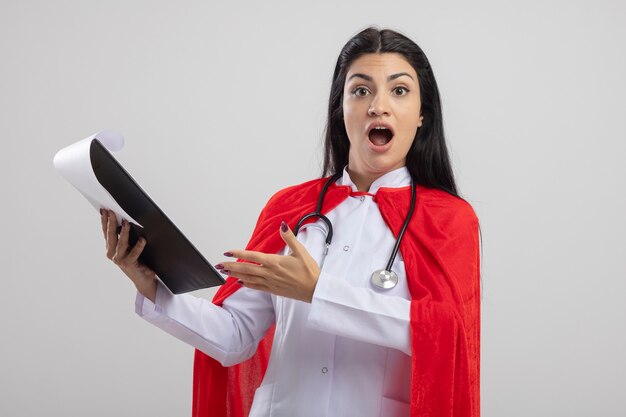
pixel 379 124
pixel 379 148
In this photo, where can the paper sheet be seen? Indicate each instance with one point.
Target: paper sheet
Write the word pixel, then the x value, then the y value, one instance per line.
pixel 74 164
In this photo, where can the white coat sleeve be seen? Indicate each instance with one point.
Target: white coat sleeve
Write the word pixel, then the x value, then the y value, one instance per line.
pixel 230 334
pixel 360 313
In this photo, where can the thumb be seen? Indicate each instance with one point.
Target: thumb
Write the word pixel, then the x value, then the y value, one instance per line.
pixel 290 239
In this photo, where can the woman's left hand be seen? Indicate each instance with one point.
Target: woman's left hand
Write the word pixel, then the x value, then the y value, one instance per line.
pixel 294 275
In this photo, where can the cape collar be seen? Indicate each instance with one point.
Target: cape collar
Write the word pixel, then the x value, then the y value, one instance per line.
pixel 397 178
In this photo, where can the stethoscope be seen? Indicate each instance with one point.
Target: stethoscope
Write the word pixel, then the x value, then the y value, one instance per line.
pixel 382 278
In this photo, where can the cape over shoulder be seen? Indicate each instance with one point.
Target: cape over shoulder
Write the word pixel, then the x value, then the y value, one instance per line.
pixel 441 256
pixel 444 229
pixel 441 205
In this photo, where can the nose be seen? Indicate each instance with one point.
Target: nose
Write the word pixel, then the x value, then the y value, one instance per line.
pixel 379 106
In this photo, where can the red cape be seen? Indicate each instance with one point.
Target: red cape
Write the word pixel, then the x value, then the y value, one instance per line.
pixel 441 257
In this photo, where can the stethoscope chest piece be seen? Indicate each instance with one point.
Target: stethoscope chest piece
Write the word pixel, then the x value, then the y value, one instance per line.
pixel 384 279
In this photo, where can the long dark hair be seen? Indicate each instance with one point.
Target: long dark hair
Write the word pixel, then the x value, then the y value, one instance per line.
pixel 427 160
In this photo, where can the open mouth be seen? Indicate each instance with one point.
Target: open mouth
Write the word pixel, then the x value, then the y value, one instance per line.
pixel 380 136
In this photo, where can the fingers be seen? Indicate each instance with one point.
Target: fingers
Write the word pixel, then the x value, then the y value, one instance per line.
pixel 235 268
pixel 242 277
pixel 122 243
pixel 254 285
pixel 248 255
pixel 251 281
pixel 111 235
pixel 103 221
pixel 135 252
pixel 290 239
pixel 266 259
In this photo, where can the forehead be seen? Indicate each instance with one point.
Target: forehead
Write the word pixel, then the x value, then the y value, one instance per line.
pixel 382 64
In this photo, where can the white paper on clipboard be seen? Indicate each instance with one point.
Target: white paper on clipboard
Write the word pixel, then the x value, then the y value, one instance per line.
pixel 74 163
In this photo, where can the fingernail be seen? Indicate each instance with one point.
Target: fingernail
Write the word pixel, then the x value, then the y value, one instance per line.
pixel 219 266
pixel 240 282
pixel 224 271
pixel 284 227
pixel 124 223
pixel 101 211
pixel 228 254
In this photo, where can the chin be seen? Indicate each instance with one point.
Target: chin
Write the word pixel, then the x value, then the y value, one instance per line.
pixel 384 162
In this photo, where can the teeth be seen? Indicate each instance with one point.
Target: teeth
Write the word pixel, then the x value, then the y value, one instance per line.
pixel 380 128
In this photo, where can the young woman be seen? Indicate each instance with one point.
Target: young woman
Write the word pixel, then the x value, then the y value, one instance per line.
pixel 373 309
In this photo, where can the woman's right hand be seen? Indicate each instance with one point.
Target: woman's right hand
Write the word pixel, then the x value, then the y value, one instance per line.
pixel 126 258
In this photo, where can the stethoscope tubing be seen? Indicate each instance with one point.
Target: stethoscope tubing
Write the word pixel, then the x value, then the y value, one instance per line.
pixel 318 211
pixel 329 237
pixel 404 226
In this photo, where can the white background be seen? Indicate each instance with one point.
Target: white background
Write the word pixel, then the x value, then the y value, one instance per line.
pixel 222 104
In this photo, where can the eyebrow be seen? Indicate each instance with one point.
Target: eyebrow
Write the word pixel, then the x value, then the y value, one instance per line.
pixel 390 78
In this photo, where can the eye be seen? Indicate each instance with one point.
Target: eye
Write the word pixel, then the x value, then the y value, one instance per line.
pixel 360 91
pixel 400 91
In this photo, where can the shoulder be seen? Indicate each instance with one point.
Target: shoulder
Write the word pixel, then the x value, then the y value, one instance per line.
pixel 446 207
pixel 293 197
pixel 287 204
pixel 308 188
pixel 304 192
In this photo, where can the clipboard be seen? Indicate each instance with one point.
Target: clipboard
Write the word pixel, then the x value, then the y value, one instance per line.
pixel 177 263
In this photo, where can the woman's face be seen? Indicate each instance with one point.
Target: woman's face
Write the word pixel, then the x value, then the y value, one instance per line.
pixel 381 110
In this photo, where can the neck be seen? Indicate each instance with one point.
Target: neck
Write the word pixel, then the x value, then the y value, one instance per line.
pixel 363 182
